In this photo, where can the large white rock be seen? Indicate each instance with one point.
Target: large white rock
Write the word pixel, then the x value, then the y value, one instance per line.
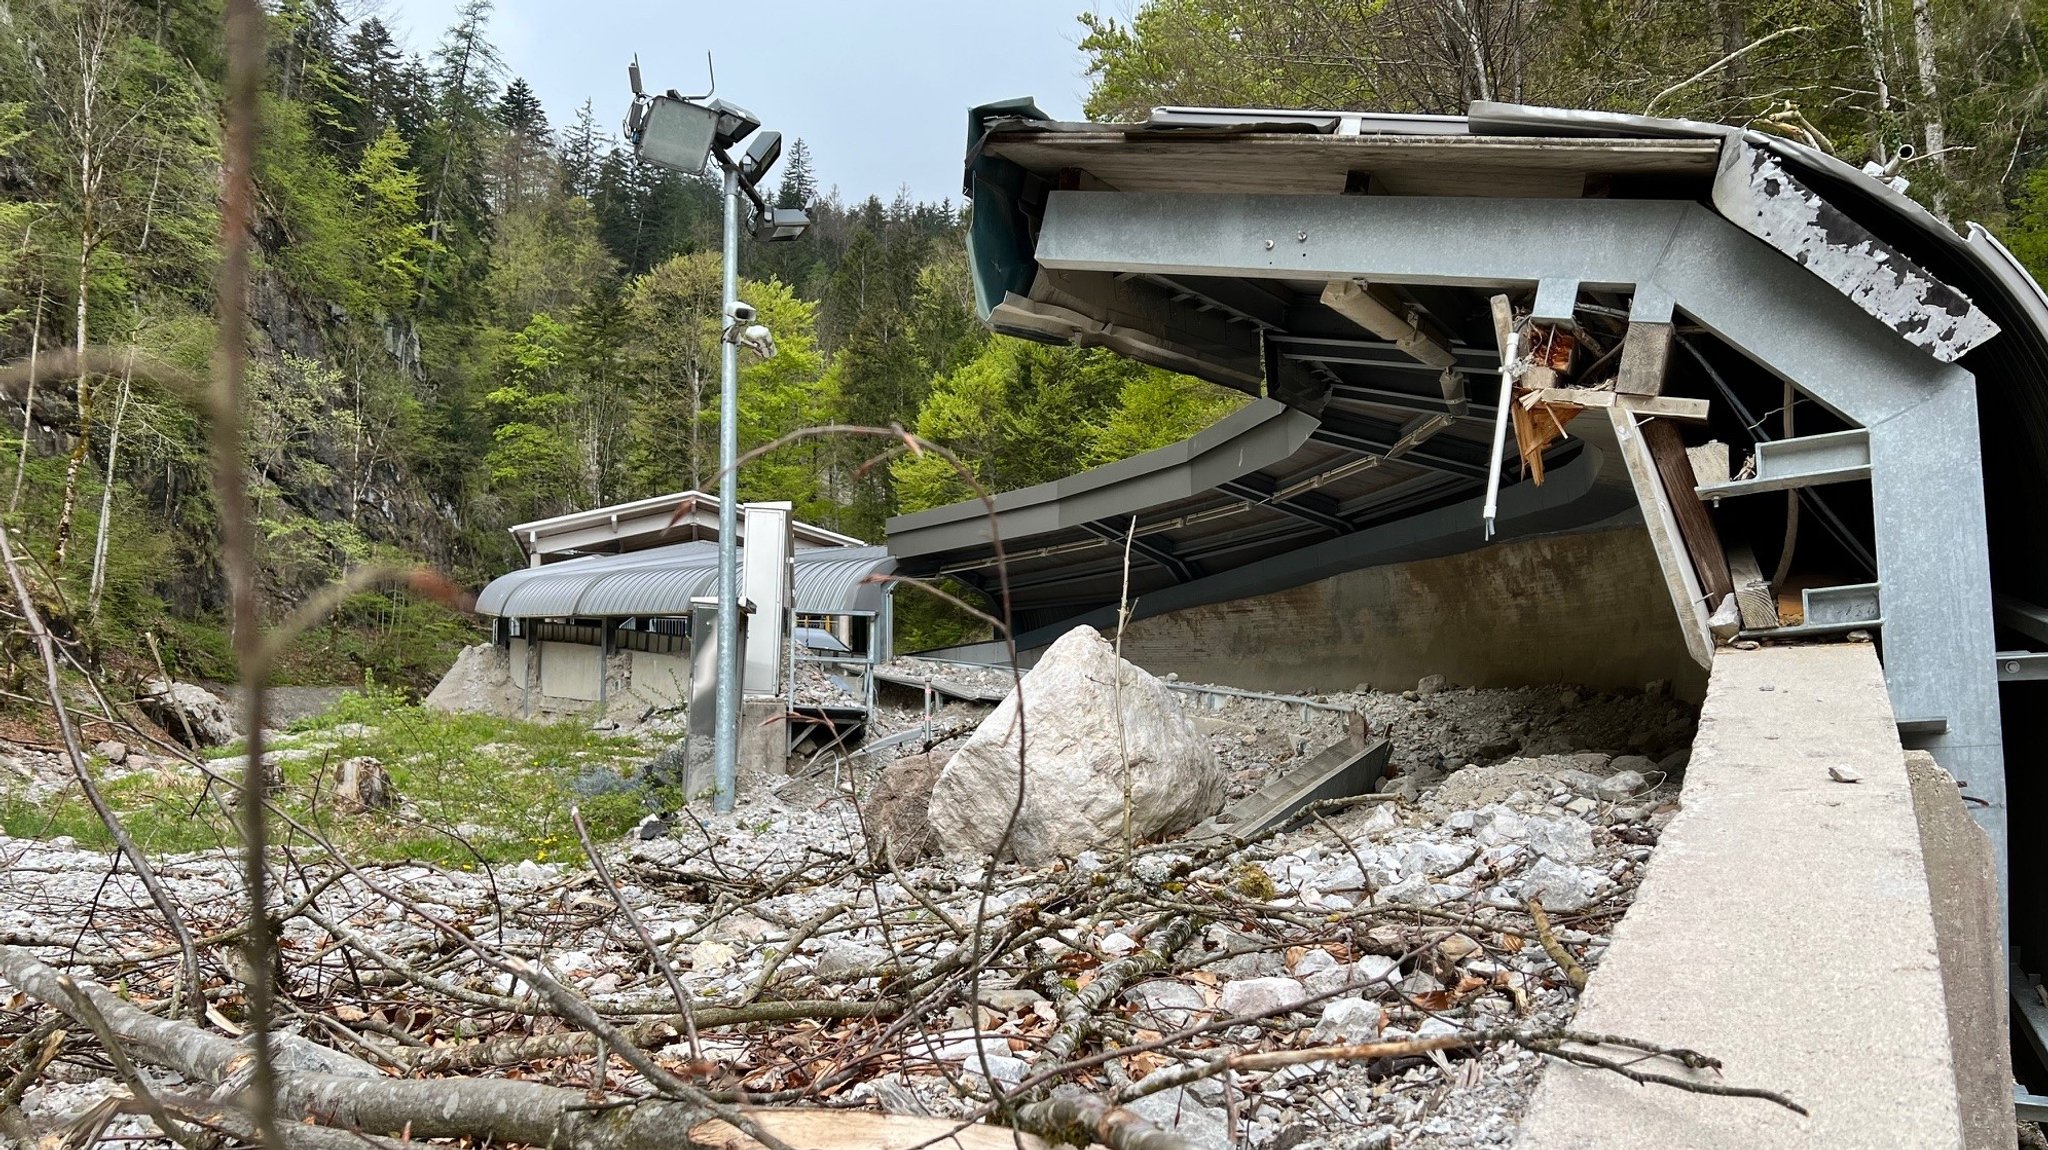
pixel 1075 763
pixel 189 713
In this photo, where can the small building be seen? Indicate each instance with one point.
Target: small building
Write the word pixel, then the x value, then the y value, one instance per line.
pixel 601 615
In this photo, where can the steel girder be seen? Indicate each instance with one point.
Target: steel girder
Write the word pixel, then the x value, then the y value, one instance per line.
pixel 1921 413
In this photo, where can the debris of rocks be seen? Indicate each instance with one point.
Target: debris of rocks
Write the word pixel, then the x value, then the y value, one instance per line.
pixel 1106 752
pixel 1382 921
pixel 1845 774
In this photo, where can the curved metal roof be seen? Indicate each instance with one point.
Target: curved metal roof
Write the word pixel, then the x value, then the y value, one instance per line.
pixel 662 581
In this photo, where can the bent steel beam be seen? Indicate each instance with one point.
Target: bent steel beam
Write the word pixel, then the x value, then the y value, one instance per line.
pixel 1921 413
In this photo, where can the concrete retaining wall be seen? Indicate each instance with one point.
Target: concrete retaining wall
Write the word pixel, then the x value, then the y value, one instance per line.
pixel 1585 608
pixel 570 671
pixel 1785 927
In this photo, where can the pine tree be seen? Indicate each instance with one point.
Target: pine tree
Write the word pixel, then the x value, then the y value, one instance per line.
pixel 520 112
pixel 370 68
pixel 582 148
pixel 799 186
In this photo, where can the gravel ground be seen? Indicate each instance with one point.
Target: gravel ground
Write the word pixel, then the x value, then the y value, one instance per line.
pixel 1399 917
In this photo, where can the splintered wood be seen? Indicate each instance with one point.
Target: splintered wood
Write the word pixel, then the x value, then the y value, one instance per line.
pixel 1544 356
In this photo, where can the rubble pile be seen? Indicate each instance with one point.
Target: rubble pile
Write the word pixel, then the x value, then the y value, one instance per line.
pixel 831 961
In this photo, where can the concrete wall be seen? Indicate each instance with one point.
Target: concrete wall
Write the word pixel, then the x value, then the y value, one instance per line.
pixel 1962 885
pixel 1586 608
pixel 570 671
pixel 1784 926
pixel 661 680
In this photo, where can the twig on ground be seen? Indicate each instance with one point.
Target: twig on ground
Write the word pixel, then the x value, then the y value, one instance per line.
pixel 1547 937
pixel 675 985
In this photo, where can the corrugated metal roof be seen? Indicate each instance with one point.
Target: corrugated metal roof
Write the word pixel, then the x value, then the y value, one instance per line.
pixel 662 581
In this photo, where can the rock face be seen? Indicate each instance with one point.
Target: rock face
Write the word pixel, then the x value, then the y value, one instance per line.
pixel 899 810
pixel 1075 762
pixel 190 714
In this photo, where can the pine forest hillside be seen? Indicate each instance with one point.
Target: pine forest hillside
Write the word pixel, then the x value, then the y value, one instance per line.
pixel 465 316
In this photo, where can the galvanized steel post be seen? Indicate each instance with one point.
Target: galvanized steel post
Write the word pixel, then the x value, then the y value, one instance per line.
pixel 725 762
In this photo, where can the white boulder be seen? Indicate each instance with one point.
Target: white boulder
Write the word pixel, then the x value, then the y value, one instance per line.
pixel 1078 760
pixel 189 713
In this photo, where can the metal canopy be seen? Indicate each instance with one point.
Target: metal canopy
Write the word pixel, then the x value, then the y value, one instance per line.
pixel 1204 241
pixel 663 580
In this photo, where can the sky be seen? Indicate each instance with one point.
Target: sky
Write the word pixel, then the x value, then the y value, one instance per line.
pixel 878 89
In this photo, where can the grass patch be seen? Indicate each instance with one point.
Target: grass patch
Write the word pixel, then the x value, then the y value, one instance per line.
pixel 474 788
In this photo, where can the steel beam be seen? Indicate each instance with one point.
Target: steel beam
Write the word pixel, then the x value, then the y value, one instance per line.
pixel 1926 483
pixel 1454 456
pixel 1159 554
pixel 1807 461
pixel 1259 490
pixel 1407 401
pixel 2022 666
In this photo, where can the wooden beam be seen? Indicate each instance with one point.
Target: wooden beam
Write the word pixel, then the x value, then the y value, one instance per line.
pixel 1670 407
pixel 1694 524
pixel 1645 354
pixel 1680 579
pixel 1380 312
pixel 1752 591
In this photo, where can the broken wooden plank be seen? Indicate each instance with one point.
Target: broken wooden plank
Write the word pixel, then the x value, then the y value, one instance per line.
pixel 1709 462
pixel 1752 591
pixel 1669 407
pixel 1645 353
pixel 1695 525
pixel 1680 579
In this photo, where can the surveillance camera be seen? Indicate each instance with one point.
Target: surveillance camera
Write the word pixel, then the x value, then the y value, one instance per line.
pixel 741 312
pixel 758 338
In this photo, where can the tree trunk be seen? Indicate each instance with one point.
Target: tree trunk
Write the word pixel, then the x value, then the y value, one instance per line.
pixel 1870 19
pixel 337 1090
pixel 99 546
pixel 28 403
pixel 1935 130
pixel 69 513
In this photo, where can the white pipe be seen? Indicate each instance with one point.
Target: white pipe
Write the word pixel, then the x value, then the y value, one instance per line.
pixel 1500 430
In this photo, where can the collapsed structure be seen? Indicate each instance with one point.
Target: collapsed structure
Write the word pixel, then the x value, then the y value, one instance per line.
pixel 1651 290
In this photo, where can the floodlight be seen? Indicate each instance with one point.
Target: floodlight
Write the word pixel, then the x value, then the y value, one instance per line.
pixel 781 223
pixel 675 134
pixel 757 339
pixel 761 156
pixel 734 122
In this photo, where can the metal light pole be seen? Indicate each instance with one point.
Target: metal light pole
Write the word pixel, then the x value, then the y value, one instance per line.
pixel 725 766
pixel 684 133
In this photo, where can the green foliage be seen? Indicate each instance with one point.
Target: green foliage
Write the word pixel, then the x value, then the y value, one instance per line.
pixel 392 237
pixel 510 784
pixel 1021 413
pixel 2027 231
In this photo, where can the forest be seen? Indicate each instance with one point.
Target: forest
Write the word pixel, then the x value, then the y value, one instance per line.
pixel 464 316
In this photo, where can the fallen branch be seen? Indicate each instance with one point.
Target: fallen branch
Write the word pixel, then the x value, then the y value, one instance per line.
pixel 1077 1118
pixel 326 1088
pixel 1568 1045
pixel 1547 937
pixel 650 1035
pixel 1078 1014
